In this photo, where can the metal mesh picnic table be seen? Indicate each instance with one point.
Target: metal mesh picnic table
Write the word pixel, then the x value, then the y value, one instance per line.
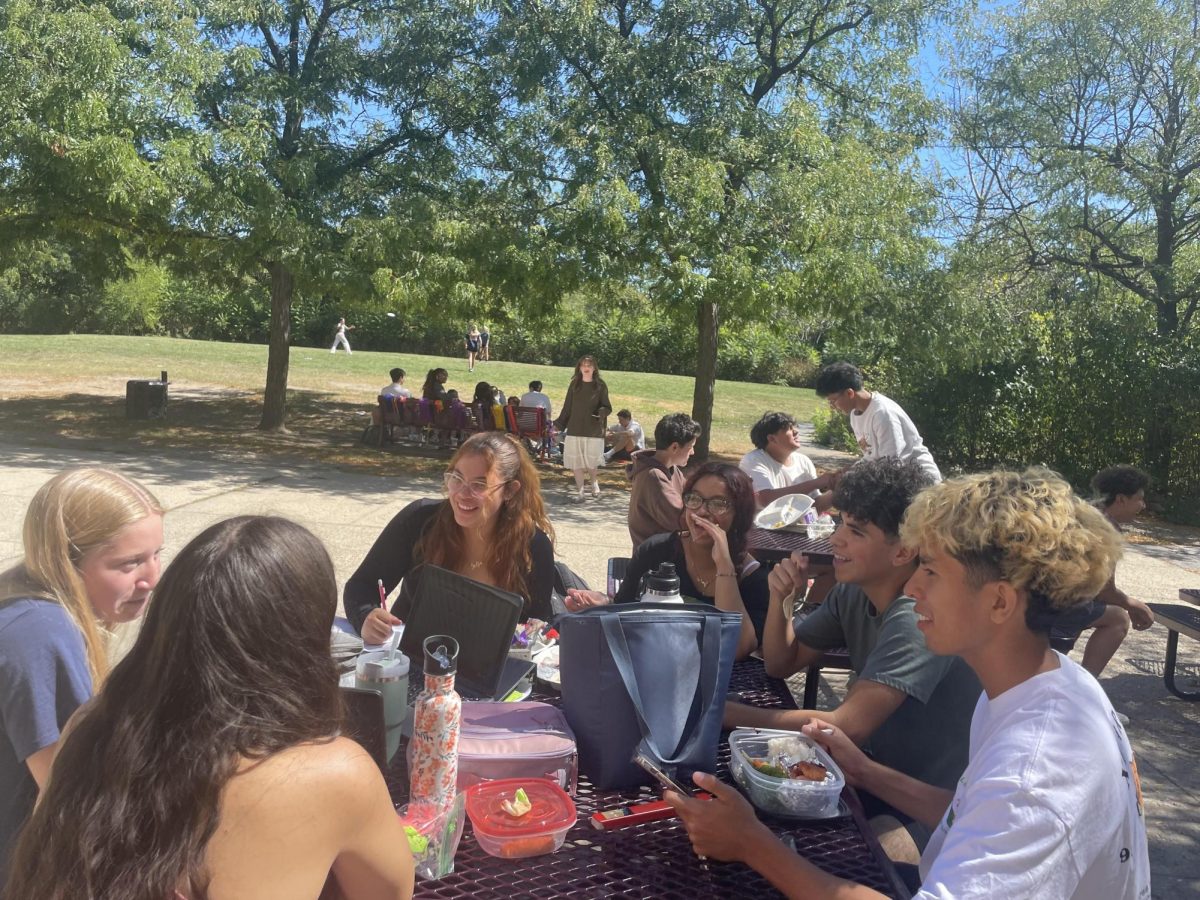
pixel 775 543
pixel 655 859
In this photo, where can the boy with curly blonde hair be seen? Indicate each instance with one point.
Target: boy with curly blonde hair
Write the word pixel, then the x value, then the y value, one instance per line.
pixel 1049 804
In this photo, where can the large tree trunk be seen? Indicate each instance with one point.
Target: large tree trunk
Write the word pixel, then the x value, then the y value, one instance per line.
pixel 283 285
pixel 706 374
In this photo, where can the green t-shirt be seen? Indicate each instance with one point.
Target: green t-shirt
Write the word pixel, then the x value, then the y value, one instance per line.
pixel 927 736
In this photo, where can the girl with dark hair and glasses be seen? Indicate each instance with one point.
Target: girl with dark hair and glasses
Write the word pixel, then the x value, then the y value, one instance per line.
pixel 709 553
pixel 490 526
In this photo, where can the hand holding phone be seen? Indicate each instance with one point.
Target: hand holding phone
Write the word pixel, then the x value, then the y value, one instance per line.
pixel 660 776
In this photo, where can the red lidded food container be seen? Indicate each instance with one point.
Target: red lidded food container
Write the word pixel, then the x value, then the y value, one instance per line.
pixel 541 830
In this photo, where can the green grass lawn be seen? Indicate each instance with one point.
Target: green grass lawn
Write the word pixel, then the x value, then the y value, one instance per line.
pixel 216 393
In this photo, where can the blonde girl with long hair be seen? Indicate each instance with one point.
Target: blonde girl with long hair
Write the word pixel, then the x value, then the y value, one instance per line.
pixel 491 526
pixel 92 539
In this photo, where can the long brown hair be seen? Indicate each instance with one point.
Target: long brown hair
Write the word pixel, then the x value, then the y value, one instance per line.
pixel 74 513
pixel 521 514
pixel 577 378
pixel 232 664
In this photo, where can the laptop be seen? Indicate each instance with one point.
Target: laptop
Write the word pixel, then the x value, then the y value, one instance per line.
pixel 480 617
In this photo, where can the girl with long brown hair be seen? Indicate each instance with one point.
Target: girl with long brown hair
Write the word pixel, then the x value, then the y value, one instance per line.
pixel 210 765
pixel 92 539
pixel 491 527
pixel 585 414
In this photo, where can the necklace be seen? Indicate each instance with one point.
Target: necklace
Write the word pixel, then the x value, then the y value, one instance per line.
pixel 475 565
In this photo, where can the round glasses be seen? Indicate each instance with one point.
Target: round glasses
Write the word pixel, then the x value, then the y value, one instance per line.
pixel 718 506
pixel 455 484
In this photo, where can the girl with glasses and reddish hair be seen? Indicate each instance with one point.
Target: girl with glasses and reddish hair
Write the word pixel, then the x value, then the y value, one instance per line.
pixel 708 552
pixel 491 526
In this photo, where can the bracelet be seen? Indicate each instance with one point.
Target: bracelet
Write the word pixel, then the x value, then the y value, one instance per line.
pixel 727 574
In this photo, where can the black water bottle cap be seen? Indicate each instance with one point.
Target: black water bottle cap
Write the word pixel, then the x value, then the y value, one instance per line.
pixel 664 579
pixel 441 655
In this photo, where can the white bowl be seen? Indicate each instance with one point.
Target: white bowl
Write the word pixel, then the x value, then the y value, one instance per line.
pixel 785 512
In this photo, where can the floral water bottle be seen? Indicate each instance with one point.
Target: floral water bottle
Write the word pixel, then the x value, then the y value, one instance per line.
pixel 433 769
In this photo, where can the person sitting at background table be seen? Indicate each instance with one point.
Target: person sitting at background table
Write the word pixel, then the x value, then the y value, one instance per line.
pixel 485 402
pixel 92 539
pixel 1122 495
pixel 491 527
pixel 718 504
pixel 434 387
pixel 395 389
pixel 210 765
pixel 910 708
pixel 776 465
pixel 656 478
pixel 1050 803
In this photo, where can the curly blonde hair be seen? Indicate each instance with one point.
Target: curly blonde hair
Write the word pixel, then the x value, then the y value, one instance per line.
pixel 1027 528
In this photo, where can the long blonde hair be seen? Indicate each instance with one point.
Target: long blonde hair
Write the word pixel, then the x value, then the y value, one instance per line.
pixel 72 514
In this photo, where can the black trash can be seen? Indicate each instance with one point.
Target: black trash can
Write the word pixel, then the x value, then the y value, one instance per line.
pixel 146 399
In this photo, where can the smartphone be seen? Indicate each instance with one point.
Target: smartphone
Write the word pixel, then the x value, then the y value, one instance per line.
pixel 659 775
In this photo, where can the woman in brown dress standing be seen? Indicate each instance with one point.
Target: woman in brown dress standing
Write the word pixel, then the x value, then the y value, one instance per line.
pixel 585 416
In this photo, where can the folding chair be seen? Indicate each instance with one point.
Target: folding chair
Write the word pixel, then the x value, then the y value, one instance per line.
pixel 529 424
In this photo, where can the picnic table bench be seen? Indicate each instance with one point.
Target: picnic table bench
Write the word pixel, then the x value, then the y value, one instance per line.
pixel 1178 620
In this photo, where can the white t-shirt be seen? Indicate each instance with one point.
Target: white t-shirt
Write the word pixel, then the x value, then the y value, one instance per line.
pixel 396 390
pixel 885 429
pixel 537 398
pixel 767 474
pixel 1050 803
pixel 639 436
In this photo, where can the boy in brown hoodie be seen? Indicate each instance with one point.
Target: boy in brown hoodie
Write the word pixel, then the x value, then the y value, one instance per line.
pixel 656 476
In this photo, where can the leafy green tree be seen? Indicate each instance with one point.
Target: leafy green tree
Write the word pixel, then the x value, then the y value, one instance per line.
pixel 1082 123
pixel 306 145
pixel 729 158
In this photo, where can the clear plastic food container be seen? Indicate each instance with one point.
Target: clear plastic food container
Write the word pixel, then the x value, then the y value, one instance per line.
pixel 798 797
pixel 541 830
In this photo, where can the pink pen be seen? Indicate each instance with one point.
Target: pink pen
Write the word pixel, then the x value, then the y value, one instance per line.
pixel 382 596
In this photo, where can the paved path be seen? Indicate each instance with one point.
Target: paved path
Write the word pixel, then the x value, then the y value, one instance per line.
pixel 348 510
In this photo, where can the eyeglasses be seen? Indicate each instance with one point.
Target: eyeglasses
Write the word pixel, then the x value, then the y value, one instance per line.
pixel 718 506
pixel 477 488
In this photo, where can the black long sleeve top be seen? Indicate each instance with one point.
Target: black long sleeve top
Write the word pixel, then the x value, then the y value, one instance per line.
pixel 660 548
pixel 391 559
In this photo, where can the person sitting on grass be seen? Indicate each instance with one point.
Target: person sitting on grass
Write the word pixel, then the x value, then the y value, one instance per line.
pixel 909 708
pixel 625 438
pixel 776 465
pixel 1050 803
pixel 656 478
pixel 1122 495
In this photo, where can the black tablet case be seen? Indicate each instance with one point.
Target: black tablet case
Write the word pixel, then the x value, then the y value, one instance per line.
pixel 482 618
